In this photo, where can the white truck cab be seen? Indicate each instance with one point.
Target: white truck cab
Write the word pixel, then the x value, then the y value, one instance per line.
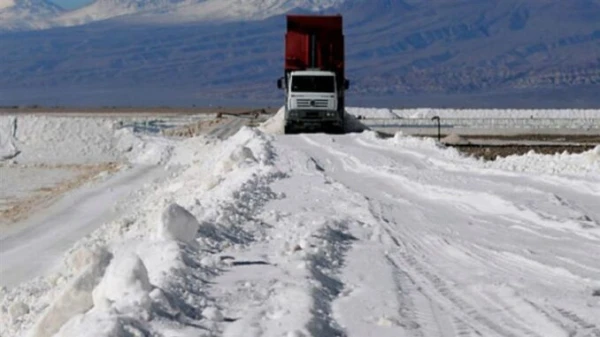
pixel 311 99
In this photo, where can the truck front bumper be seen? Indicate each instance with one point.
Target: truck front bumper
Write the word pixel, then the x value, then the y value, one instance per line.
pixel 313 120
pixel 312 116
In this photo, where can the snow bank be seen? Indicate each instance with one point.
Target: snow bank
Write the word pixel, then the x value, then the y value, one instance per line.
pixel 579 164
pixel 274 125
pixel 586 163
pixel 160 250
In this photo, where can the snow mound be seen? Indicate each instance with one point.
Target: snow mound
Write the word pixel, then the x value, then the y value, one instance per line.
pixel 586 163
pixel 274 125
pixel 239 157
pixel 178 224
pixel 581 164
pixel 76 298
pixel 125 287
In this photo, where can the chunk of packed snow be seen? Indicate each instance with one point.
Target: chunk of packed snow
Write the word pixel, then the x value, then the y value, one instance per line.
pixel 274 125
pixel 178 224
pixel 125 286
pixel 76 298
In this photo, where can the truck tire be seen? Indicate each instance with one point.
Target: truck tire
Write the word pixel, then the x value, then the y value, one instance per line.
pixel 288 129
pixel 335 129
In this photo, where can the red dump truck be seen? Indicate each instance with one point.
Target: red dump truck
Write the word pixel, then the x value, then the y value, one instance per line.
pixel 314 78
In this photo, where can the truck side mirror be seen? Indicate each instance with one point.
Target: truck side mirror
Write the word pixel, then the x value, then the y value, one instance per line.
pixel 280 83
pixel 346 84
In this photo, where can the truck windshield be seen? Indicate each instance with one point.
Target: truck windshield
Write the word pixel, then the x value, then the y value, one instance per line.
pixel 303 83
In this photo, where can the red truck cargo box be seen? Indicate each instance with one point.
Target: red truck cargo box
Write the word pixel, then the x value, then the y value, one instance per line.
pixel 315 42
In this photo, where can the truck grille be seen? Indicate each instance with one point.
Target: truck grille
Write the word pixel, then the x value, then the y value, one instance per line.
pixel 313 103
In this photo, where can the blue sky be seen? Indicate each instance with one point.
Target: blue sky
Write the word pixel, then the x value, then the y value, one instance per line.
pixel 69 4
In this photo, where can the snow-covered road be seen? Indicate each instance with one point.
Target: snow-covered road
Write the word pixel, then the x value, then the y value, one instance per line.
pixel 317 235
pixel 447 249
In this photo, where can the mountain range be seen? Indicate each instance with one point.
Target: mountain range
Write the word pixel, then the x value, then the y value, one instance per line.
pixel 42 14
pixel 489 53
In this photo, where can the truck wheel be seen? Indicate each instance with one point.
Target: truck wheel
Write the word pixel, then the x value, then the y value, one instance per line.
pixel 337 129
pixel 288 129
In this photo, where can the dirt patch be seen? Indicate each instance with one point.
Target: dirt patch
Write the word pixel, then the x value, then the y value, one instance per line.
pixel 17 209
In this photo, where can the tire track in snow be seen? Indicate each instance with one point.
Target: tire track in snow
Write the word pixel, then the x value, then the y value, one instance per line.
pixel 439 290
pixel 324 268
pixel 473 315
pixel 418 310
pixel 352 164
pixel 505 314
pixel 541 318
pixel 409 293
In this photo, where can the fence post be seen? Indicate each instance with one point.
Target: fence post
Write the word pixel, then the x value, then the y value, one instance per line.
pixel 439 127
